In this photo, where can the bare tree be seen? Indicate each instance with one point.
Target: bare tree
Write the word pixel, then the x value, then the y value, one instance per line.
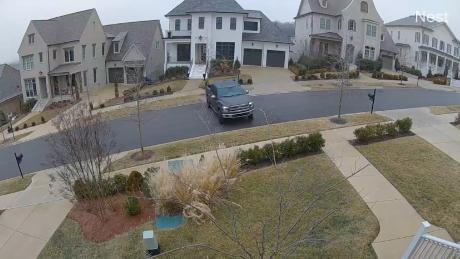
pixel 81 150
pixel 138 72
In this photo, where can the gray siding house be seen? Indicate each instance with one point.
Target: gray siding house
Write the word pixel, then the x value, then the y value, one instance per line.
pixel 10 90
pixel 64 56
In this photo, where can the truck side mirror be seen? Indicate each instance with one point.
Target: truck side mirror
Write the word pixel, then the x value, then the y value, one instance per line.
pixel 247 91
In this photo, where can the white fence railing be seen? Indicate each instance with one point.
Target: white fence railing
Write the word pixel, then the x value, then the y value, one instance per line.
pixel 427 246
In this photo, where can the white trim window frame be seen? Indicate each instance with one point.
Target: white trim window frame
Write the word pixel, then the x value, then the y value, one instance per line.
pixel 28 62
pixel 116 47
pixel 69 55
pixel 30 87
pixel 371 30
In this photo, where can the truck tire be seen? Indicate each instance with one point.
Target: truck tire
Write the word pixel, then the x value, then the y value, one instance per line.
pixel 251 117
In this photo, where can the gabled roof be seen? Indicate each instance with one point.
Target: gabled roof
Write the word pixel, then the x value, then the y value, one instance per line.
pixel 334 7
pixel 269 31
pixel 142 34
pixel 206 6
pixel 388 44
pixel 10 82
pixel 62 29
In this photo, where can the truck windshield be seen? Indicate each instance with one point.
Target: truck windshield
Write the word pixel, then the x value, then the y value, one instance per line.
pixel 230 91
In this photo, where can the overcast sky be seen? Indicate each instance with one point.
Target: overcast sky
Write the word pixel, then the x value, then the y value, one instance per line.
pixel 15 15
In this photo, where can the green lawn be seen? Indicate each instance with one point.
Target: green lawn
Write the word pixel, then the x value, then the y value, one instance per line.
pixel 428 178
pixel 244 136
pixel 347 234
pixel 15 184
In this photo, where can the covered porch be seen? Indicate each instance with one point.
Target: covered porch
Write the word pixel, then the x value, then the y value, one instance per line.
pixel 325 44
pixel 178 52
pixel 436 61
pixel 67 81
pixel 127 72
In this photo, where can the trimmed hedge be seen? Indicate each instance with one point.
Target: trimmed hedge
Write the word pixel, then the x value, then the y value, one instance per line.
pixel 369 65
pixel 382 131
pixel 132 206
pixel 412 71
pixel 174 72
pixel 386 76
pixel 287 149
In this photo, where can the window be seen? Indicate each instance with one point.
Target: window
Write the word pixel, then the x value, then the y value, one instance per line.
pixel 369 52
pixel 116 47
pixel 177 25
pixel 399 35
pixel 225 50
pixel 28 62
pixel 364 7
pixel 69 55
pixel 434 43
pixel 95 74
pixel 94 50
pixel 424 57
pixel 189 24
pixel 40 57
pixel 233 23
pixel 339 24
pixel 440 61
pixel 323 3
pixel 325 24
pixel 442 46
pixel 371 30
pixel 30 87
pixel 351 25
pixel 417 56
pixel 183 52
pixel 219 23
pixel 449 49
pixel 31 38
pixel 426 39
pixel 103 48
pixel 201 23
pixel 157 44
pixel 85 78
pixel 83 52
pixel 456 51
pixel 432 59
pixel 54 54
pixel 382 37
pixel 417 37
pixel 251 26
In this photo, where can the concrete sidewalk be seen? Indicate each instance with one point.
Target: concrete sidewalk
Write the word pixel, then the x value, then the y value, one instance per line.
pixel 31 218
pixel 397 218
pixel 435 129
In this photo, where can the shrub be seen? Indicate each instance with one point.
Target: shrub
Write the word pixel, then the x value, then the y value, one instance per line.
pixel 168 89
pixel 317 71
pixel 132 206
pixel 439 80
pixel 28 105
pixel 178 71
pixel 291 62
pixel 16 128
pixel 353 74
pixel 380 131
pixel 298 69
pixel 101 106
pixel 250 81
pixel 120 181
pixel 81 190
pixel 162 91
pixel 322 75
pixel 412 71
pixel 25 126
pixel 135 181
pixel 236 65
pixel 91 106
pixel 296 78
pixel 364 135
pixel 430 74
pixel 370 65
pixel 456 122
pixel 155 93
pixel 240 81
pixel 404 125
pixel 34 124
pixel 10 130
pixel 315 142
pixel 316 62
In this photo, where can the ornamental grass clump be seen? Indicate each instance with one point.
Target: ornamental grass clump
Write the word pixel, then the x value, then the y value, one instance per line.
pixel 196 189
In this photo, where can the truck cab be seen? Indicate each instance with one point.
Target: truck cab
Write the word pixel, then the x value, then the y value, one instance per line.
pixel 229 100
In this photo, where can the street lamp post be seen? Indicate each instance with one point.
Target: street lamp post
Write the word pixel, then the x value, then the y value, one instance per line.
pixel 11 119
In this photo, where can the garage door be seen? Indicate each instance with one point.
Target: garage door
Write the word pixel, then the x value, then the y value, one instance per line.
pixel 116 75
pixel 387 62
pixel 275 58
pixel 252 57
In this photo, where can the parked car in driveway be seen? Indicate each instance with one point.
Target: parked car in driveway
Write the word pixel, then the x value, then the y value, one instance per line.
pixel 229 100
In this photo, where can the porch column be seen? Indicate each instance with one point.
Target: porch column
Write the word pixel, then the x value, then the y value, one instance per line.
pixel 125 76
pixel 166 57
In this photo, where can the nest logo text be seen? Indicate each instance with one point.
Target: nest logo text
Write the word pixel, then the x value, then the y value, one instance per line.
pixel 423 16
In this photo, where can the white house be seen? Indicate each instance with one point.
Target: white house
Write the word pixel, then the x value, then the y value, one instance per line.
pixel 343 28
pixel 426 45
pixel 66 55
pixel 202 30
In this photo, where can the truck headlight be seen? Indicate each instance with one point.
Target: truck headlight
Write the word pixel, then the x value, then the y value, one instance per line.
pixel 225 108
pixel 251 104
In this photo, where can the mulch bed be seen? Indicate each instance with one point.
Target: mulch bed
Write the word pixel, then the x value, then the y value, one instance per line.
pixel 116 221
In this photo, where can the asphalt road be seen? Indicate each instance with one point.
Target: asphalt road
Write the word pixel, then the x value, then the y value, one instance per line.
pixel 196 120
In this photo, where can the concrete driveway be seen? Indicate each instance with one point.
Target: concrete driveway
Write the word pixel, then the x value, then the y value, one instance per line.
pixel 271 81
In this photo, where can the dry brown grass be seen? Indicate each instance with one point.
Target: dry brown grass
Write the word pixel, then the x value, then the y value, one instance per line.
pixel 439 110
pixel 16 136
pixel 428 178
pixel 244 136
pixel 15 184
pixel 212 80
pixel 152 106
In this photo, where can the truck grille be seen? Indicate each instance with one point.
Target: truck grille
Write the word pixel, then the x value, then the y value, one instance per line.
pixel 239 108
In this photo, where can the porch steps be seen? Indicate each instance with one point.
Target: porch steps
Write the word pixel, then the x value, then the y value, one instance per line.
pixel 40 105
pixel 197 71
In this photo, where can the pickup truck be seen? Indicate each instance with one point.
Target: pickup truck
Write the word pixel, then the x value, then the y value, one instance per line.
pixel 229 100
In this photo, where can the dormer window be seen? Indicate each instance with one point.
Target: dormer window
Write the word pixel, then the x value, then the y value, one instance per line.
pixel 323 3
pixel 251 26
pixel 364 7
pixel 31 38
pixel 116 47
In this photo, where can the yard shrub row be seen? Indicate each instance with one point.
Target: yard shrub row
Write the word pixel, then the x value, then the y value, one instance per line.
pixel 369 65
pixel 176 72
pixel 382 131
pixel 386 76
pixel 287 149
pixel 328 76
pixel 412 70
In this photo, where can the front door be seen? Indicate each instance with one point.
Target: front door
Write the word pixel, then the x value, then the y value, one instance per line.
pixel 200 53
pixel 43 87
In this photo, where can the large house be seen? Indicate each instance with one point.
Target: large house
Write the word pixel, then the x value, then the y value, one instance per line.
pixel 426 45
pixel 64 56
pixel 202 30
pixel 342 28
pixel 10 90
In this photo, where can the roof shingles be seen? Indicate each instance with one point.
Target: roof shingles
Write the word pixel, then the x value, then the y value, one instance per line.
pixel 10 83
pixel 206 6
